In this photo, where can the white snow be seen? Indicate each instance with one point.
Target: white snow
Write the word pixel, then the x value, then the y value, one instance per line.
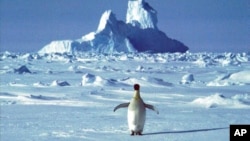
pixel 242 76
pixel 74 100
pixel 91 79
pixel 237 78
pixel 218 100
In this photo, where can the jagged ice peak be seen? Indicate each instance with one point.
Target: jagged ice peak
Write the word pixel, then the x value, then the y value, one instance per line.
pixel 107 17
pixel 141 14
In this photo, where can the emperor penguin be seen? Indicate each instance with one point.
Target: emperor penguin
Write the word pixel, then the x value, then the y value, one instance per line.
pixel 136 112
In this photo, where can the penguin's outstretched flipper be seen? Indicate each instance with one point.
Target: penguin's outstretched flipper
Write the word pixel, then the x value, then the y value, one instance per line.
pixel 123 105
pixel 151 107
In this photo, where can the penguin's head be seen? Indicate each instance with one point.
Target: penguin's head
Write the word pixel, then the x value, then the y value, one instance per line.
pixel 137 87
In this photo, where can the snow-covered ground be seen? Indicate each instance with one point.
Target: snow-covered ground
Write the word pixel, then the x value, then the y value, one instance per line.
pixel 71 97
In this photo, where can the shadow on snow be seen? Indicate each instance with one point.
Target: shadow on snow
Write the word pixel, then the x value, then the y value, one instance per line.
pixel 186 131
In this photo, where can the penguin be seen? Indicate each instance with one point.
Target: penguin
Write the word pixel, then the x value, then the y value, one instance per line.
pixel 136 112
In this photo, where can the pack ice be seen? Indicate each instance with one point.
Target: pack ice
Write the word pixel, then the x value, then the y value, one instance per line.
pixel 61 96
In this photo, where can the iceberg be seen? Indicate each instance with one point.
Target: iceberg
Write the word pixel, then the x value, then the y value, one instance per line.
pixel 138 34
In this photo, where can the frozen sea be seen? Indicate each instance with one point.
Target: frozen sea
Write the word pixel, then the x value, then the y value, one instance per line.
pixel 71 97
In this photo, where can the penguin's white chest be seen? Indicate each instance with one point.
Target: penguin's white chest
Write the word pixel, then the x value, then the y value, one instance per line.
pixel 136 115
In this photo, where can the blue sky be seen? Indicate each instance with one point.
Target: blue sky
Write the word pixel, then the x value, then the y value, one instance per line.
pixel 203 25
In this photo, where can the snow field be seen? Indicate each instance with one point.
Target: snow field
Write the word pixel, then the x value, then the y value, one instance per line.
pixel 71 97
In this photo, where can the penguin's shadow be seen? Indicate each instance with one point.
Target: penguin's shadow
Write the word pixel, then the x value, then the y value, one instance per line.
pixel 186 131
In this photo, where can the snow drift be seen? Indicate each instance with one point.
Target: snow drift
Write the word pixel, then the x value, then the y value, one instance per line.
pixel 94 80
pixel 238 78
pixel 138 34
pixel 218 100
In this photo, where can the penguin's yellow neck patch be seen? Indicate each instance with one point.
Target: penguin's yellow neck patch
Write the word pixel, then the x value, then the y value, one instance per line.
pixel 137 95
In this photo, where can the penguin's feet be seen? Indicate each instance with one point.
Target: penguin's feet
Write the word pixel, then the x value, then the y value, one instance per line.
pixel 139 133
pixel 135 133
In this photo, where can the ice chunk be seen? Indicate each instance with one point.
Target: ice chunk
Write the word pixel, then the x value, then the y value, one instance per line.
pixel 60 83
pixel 23 69
pixel 188 78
